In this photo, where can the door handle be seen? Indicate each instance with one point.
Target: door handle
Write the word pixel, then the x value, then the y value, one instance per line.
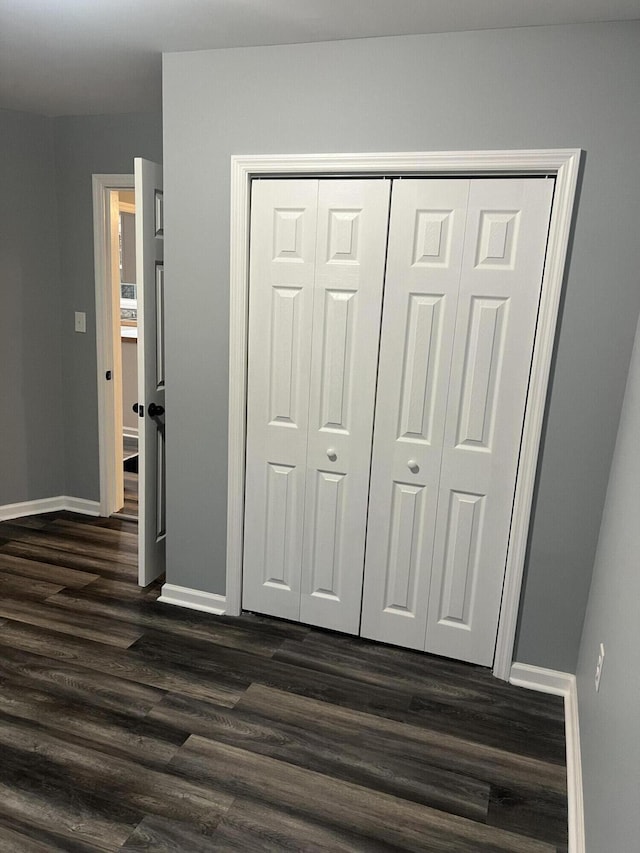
pixel 138 409
pixel 332 454
pixel 413 466
pixel 155 411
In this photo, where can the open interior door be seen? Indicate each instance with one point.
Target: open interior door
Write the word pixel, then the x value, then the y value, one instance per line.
pixel 151 382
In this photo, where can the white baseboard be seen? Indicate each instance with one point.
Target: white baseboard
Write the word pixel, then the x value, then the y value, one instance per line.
pixel 82 506
pixel 540 679
pixel 194 599
pixel 562 684
pixel 57 504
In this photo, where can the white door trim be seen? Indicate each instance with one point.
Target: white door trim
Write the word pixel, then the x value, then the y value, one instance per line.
pixel 108 444
pixel 563 164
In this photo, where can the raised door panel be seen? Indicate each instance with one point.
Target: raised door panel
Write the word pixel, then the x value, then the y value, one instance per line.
pixel 350 257
pixel 282 274
pixel 503 262
pixel 426 240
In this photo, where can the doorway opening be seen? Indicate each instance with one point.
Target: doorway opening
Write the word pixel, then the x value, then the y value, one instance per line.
pixel 119 302
pixel 123 234
pixel 117 342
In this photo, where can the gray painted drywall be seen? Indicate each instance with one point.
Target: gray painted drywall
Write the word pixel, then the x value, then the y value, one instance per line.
pixel 85 145
pixel 569 86
pixel 31 408
pixel 609 719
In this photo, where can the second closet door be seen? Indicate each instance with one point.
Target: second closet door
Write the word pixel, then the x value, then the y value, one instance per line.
pixel 316 276
pixel 426 243
pixel 463 287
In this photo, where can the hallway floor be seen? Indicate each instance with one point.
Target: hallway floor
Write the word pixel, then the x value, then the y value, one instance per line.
pixel 126 724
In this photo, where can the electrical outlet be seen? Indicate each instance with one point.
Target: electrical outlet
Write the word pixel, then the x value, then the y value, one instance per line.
pixel 80 321
pixel 599 666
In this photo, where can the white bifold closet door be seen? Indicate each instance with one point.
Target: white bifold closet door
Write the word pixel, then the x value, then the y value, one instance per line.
pixel 463 283
pixel 316 275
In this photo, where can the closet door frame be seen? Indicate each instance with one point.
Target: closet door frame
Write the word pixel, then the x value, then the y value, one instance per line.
pixel 561 164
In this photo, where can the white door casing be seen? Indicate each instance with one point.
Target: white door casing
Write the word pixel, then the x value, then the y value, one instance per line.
pixel 563 164
pixel 151 370
pixel 426 240
pixel 504 255
pixel 350 261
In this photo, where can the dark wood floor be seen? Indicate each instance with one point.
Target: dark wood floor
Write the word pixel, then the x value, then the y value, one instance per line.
pixel 126 724
pixel 130 457
pixel 130 508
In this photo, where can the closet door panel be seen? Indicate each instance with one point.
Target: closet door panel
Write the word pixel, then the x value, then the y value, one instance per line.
pixel 350 258
pixel 282 273
pixel 502 268
pixel 426 239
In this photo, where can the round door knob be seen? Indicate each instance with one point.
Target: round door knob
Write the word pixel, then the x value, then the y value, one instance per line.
pixel 413 466
pixel 331 453
pixel 154 411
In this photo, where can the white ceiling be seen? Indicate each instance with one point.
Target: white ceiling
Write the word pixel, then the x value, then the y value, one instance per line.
pixel 75 57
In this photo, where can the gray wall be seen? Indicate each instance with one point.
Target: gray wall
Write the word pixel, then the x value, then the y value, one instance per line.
pixel 85 145
pixel 570 86
pixel 31 407
pixel 609 719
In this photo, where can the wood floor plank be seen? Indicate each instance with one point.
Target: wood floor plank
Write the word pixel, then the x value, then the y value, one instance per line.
pixel 498 716
pixel 43 571
pixel 100 542
pixel 22 837
pixel 122 590
pixel 119 539
pixel 146 612
pixel 127 784
pixel 78 683
pixel 255 826
pixel 114 567
pixel 529 810
pixel 419 673
pixel 70 546
pixel 18 843
pixel 124 664
pixel 16 586
pixel 234 666
pixel 148 742
pixel 342 805
pixel 37 791
pixel 158 833
pixel 465 756
pixel 100 630
pixel 404 773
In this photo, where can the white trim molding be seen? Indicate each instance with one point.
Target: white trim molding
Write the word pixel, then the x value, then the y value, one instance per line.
pixel 194 599
pixel 57 504
pixel 561 164
pixel 108 443
pixel 562 684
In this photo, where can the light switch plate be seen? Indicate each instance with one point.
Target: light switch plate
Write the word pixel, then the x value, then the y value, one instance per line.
pixel 81 321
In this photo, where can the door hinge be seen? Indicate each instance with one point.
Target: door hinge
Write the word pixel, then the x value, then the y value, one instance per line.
pixel 107 375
